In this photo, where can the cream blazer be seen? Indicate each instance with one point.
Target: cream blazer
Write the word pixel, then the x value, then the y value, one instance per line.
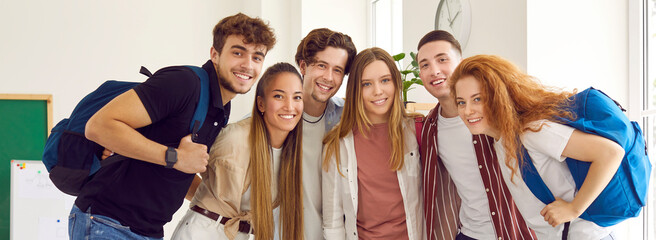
pixel 227 176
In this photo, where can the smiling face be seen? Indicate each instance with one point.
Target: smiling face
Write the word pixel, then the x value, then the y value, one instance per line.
pixel 377 91
pixel 437 60
pixel 324 76
pixel 282 104
pixel 238 65
pixel 471 106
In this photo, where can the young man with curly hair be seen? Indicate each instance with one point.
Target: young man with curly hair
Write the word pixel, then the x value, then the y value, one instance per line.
pixel 134 198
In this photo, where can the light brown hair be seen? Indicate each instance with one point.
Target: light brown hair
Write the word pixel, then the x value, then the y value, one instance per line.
pixel 354 115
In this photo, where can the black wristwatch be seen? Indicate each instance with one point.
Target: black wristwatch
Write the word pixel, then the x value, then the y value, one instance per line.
pixel 171 157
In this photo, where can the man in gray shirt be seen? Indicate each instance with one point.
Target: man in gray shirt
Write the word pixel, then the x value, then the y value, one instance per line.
pixel 324 58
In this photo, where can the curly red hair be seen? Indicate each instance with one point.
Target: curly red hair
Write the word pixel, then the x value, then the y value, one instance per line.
pixel 511 100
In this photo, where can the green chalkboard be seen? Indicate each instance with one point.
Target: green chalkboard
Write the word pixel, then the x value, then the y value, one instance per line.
pixel 25 121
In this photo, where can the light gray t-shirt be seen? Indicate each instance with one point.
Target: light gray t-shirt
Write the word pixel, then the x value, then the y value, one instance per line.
pixel 312 146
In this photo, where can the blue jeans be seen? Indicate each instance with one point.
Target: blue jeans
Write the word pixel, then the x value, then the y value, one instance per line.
pixel 461 236
pixel 84 225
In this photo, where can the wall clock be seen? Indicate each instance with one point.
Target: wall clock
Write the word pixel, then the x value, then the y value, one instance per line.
pixel 454 16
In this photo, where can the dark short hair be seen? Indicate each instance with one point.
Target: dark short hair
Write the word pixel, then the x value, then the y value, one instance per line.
pixel 321 38
pixel 439 35
pixel 254 30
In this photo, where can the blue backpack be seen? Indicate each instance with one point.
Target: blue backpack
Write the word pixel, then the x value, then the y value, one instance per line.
pixel 72 159
pixel 625 194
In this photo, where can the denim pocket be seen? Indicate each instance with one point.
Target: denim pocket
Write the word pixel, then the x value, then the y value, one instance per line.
pixel 109 222
pixel 71 224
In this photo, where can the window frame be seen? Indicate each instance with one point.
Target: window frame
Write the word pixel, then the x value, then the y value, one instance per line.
pixel 638 66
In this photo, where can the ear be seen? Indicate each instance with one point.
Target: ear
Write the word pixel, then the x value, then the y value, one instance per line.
pixel 260 104
pixel 214 55
pixel 302 66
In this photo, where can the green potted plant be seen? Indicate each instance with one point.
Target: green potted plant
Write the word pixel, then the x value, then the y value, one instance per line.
pixel 407 79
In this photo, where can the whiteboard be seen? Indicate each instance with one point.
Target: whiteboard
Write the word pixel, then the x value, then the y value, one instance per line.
pixel 38 209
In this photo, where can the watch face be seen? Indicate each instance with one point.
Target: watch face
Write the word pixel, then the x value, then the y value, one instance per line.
pixel 454 16
pixel 171 157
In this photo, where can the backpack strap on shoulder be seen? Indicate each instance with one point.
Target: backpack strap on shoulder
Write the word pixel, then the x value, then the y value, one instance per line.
pixel 203 102
pixel 145 71
pixel 536 184
pixel 532 178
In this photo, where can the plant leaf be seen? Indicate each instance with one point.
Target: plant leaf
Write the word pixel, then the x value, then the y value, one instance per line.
pixel 407 84
pixel 405 72
pixel 414 63
pixel 398 57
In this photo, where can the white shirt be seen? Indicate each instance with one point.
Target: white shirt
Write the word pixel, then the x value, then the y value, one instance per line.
pixel 459 158
pixel 340 193
pixel 312 145
pixel 545 148
pixel 275 175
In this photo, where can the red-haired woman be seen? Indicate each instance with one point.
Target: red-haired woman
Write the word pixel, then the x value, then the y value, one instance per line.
pixel 497 99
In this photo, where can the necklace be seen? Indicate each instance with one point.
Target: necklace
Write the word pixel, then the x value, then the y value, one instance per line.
pixel 316 120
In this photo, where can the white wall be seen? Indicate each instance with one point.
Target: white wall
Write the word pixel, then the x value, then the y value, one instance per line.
pixel 68 48
pixel 497 27
pixel 347 16
pixel 577 44
pixel 570 44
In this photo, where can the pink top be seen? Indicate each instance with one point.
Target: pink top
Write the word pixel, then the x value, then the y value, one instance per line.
pixel 380 204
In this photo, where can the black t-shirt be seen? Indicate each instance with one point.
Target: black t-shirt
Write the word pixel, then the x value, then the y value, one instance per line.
pixel 142 195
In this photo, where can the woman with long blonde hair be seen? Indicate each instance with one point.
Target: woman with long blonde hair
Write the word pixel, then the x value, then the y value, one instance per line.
pixel 497 99
pixel 254 167
pixel 372 182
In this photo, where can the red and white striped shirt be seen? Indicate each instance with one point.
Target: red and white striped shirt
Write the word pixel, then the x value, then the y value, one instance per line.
pixel 441 200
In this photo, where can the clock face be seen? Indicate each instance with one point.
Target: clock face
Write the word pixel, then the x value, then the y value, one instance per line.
pixel 454 16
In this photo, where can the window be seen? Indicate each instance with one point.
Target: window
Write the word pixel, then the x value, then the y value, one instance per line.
pixel 650 56
pixel 650 110
pixel 642 64
pixel 387 25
